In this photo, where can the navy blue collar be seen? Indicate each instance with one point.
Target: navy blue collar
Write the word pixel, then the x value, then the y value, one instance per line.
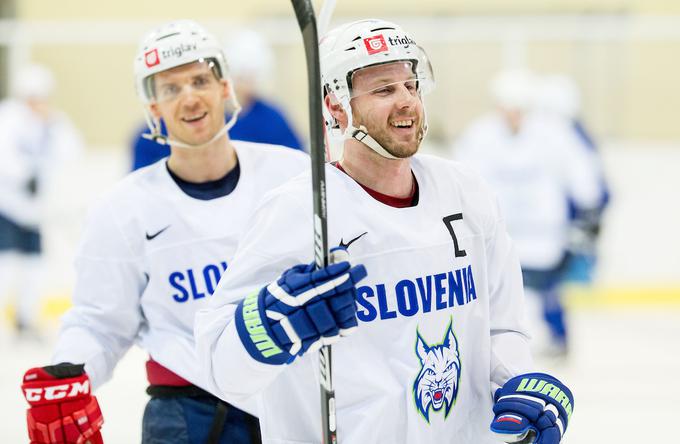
pixel 211 189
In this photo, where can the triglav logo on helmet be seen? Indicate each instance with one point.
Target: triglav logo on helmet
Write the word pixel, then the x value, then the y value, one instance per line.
pixel 178 51
pixel 403 41
pixel 375 44
pixel 151 58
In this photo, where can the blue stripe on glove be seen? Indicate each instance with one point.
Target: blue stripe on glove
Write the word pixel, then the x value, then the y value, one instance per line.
pixel 532 408
pixel 301 311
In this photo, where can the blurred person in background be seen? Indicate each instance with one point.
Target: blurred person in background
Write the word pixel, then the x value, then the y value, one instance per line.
pixel 537 166
pixel 251 62
pixel 152 252
pixel 36 141
pixel 558 96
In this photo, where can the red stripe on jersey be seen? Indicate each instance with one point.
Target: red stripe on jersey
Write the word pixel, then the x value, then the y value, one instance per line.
pixel 159 375
pixel 396 202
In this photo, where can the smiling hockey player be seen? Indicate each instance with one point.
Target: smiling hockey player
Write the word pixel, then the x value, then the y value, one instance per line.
pixel 436 306
pixel 153 251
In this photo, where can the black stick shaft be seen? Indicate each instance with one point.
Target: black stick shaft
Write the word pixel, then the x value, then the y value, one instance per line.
pixel 304 11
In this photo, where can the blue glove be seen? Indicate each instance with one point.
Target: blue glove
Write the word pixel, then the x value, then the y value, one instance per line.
pixel 532 408
pixel 301 311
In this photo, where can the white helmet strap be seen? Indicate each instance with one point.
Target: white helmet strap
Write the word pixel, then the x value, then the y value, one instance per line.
pixel 157 136
pixel 361 134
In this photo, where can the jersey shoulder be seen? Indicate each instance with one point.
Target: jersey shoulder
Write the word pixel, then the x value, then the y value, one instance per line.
pixel 453 171
pixel 453 178
pixel 128 198
pixel 271 153
pixel 297 188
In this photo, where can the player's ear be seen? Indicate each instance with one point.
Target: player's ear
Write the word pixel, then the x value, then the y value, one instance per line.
pixel 227 89
pixel 336 110
pixel 153 109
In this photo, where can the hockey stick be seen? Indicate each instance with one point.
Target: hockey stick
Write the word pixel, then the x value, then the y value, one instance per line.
pixel 304 11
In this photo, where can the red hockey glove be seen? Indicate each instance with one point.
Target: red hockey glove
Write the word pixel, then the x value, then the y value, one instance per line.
pixel 63 411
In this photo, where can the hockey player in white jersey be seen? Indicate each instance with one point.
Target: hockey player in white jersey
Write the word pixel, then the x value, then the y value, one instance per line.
pixel 36 142
pixel 536 164
pixel 153 251
pixel 438 350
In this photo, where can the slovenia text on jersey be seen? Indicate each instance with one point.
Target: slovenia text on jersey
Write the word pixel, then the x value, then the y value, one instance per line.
pixel 407 297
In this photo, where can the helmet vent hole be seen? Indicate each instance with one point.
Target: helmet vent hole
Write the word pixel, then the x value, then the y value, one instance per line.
pixel 384 28
pixel 167 35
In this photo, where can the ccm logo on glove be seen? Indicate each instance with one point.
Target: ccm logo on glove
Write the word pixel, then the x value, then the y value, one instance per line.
pixel 57 392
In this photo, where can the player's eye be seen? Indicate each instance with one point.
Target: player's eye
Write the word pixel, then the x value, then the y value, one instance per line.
pixel 168 91
pixel 411 86
pixel 384 90
pixel 201 81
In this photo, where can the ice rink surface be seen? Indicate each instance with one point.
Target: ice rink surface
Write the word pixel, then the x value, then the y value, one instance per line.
pixel 623 371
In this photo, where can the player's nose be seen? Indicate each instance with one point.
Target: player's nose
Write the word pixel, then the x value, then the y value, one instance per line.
pixel 404 97
pixel 189 98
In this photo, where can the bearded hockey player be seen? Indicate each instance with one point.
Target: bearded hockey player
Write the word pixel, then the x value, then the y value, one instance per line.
pixel 438 350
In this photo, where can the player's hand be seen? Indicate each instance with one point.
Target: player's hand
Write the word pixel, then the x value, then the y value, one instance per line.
pixel 301 311
pixel 532 408
pixel 62 409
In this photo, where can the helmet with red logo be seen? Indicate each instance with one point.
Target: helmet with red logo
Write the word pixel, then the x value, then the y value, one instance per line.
pixel 362 44
pixel 171 45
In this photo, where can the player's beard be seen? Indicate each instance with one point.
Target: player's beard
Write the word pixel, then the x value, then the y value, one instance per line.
pixel 401 149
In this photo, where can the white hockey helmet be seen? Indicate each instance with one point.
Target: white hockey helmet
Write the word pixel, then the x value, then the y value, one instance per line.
pixel 514 89
pixel 171 45
pixel 250 57
pixel 559 94
pixel 33 81
pixel 361 44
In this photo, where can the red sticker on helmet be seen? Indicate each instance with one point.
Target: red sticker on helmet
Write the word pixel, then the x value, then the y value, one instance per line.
pixel 151 58
pixel 375 44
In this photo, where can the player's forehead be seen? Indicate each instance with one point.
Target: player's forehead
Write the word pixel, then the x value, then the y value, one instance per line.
pixel 376 75
pixel 183 72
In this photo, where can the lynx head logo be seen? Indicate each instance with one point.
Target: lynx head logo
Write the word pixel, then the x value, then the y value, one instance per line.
pixel 436 385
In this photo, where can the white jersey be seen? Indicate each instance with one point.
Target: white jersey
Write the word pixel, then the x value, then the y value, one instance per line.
pixel 440 313
pixel 31 148
pixel 534 172
pixel 151 255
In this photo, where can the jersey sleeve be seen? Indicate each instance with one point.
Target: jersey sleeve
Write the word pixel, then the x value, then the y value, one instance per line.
pixel 581 171
pixel 106 315
pixel 510 355
pixel 278 238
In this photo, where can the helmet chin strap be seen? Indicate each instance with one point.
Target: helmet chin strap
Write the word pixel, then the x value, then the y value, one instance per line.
pixel 361 134
pixel 156 135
